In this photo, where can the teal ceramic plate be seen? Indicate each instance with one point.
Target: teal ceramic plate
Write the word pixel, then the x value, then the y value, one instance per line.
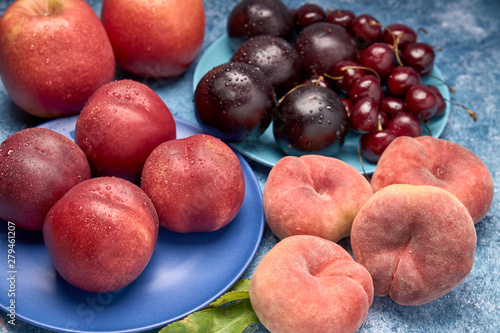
pixel 266 151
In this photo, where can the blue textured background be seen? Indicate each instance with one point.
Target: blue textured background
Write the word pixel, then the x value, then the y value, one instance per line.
pixel 469 33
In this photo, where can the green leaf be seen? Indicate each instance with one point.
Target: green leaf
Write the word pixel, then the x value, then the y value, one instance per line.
pixel 230 313
pixel 232 318
pixel 230 296
pixel 238 291
pixel 240 285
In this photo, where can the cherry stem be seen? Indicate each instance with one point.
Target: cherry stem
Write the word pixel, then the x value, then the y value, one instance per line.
pixel 320 79
pixel 395 38
pixel 352 67
pixel 333 77
pixel 361 161
pixel 469 111
pixel 423 30
pixel 295 88
pixel 396 50
pixel 424 123
pixel 450 88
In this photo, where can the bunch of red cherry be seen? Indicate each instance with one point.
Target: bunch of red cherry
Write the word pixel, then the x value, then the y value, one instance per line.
pixel 389 57
pixel 376 71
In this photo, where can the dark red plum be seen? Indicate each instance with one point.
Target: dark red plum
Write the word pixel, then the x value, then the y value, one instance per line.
pixel 250 18
pixel 322 45
pixel 234 102
pixel 275 57
pixel 311 119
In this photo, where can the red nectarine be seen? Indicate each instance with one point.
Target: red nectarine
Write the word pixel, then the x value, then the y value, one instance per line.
pixel 37 167
pixel 101 234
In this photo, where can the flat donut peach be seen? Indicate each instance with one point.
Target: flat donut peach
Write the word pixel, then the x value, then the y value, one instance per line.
pixel 310 284
pixel 427 160
pixel 313 195
pixel 417 242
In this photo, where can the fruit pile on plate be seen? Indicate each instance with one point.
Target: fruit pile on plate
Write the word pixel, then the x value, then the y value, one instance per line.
pixel 320 78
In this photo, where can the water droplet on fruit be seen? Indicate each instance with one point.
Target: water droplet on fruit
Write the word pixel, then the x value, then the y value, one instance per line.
pixel 47 60
pixel 117 95
pixel 127 97
pixel 153 9
pixel 46 27
pixel 80 208
pixel 32 47
pixel 10 151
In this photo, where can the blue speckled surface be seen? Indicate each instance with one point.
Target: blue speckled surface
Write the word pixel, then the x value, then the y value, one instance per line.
pixel 469 33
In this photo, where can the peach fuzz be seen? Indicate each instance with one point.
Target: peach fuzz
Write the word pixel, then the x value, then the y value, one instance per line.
pixel 196 183
pixel 313 195
pixel 430 161
pixel 101 234
pixel 310 284
pixel 417 242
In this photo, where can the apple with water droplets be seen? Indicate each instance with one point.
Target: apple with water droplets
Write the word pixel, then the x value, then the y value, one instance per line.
pixel 155 38
pixel 53 55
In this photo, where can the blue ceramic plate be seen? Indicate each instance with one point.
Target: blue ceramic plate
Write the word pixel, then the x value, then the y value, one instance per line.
pixel 266 151
pixel 186 271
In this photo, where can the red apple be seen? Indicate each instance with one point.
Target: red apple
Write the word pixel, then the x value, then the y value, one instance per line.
pixel 101 234
pixel 53 55
pixel 155 38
